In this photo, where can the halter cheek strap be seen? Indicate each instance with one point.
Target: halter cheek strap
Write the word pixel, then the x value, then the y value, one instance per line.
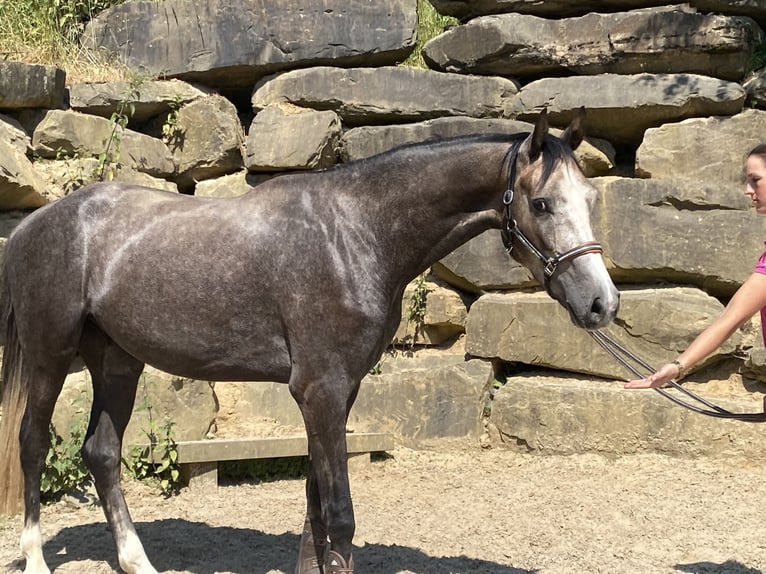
pixel 510 230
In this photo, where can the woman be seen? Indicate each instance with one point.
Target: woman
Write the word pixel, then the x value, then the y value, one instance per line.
pixel 749 298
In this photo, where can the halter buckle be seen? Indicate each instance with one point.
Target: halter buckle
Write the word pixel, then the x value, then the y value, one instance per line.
pixel 550 267
pixel 507 233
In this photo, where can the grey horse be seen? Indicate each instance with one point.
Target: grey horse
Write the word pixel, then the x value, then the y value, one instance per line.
pixel 298 281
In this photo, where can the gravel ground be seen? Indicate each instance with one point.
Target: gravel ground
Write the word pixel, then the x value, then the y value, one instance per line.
pixel 454 508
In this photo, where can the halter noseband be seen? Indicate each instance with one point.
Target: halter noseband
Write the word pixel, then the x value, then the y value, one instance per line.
pixel 510 230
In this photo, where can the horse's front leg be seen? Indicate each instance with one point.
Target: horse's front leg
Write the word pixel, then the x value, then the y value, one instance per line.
pixel 313 547
pixel 330 512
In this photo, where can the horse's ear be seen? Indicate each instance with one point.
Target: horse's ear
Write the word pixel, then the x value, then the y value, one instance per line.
pixel 533 145
pixel 575 132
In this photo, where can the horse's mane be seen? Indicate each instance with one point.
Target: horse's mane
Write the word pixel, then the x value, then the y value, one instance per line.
pixel 554 150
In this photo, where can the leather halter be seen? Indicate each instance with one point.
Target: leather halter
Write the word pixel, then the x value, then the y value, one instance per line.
pixel 510 230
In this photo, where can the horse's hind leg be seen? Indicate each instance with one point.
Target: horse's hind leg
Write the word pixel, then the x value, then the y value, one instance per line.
pixel 115 376
pixel 34 438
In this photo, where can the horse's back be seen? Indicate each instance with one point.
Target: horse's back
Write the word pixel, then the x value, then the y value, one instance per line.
pixel 132 260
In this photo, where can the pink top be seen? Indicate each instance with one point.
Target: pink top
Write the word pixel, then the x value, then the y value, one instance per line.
pixel 761 268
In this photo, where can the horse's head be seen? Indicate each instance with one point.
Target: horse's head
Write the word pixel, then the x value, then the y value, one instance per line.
pixel 547 223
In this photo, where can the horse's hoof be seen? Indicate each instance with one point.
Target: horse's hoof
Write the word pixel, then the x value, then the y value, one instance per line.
pixel 309 566
pixel 337 565
pixel 310 561
pixel 310 554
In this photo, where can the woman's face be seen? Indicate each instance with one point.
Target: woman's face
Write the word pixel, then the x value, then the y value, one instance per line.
pixel 755 182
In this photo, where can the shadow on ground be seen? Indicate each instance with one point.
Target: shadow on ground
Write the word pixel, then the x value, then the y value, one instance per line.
pixel 175 544
pixel 728 567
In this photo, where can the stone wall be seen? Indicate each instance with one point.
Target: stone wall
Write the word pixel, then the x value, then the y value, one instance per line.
pixel 267 87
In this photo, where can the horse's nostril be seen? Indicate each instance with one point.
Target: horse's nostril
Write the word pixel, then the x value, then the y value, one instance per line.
pixel 597 308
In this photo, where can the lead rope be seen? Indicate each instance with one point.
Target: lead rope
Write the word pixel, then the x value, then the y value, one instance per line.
pixel 624 356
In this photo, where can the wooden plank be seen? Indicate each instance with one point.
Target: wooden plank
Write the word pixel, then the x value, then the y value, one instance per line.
pixel 197 451
pixel 200 475
pixel 199 458
pixel 359 462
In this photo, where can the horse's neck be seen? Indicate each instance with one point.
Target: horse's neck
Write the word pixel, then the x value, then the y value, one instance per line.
pixel 430 205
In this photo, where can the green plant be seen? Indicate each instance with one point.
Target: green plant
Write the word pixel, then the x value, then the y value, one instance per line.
pixel 758 58
pixel 430 25
pixel 498 382
pixel 416 311
pixel 75 176
pixel 70 16
pixel 159 459
pixel 170 129
pixel 119 119
pixel 64 468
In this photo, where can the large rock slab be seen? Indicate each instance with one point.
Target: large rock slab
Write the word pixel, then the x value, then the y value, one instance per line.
pixel 712 150
pixel 532 328
pixel 230 185
pixel 13 133
pixel 236 41
pixel 207 141
pixel 755 87
pixel 69 174
pixel 465 9
pixel 596 157
pixel 283 137
pixel 432 314
pixel 622 108
pixel 686 231
pixel 418 398
pixel 755 9
pixel 655 40
pixel 567 415
pixel 21 187
pixel 387 94
pixel 483 264
pixel 31 86
pixel 147 99
pixel 71 133
pixel 161 399
pixel 423 399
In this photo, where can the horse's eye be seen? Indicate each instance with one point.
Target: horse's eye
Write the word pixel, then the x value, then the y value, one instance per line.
pixel 541 206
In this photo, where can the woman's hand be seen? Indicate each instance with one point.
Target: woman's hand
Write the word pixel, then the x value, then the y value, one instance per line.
pixel 659 379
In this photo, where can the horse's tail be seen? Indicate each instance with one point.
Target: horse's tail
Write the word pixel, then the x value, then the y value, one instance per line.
pixel 15 390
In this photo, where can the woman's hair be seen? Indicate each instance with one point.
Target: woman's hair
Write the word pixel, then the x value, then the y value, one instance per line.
pixel 759 150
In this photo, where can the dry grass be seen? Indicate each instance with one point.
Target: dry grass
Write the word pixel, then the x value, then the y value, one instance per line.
pixel 80 65
pixel 46 32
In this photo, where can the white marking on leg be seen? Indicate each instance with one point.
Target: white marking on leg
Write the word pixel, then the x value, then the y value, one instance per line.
pixel 132 556
pixel 32 548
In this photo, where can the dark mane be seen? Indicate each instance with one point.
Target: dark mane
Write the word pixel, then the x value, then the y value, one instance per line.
pixel 438 143
pixel 554 149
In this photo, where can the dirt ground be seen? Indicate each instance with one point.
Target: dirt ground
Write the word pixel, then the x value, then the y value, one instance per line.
pixel 454 508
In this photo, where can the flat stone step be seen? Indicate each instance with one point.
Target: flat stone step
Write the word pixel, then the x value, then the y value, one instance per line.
pixel 551 415
pixel 199 458
pixel 272 447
